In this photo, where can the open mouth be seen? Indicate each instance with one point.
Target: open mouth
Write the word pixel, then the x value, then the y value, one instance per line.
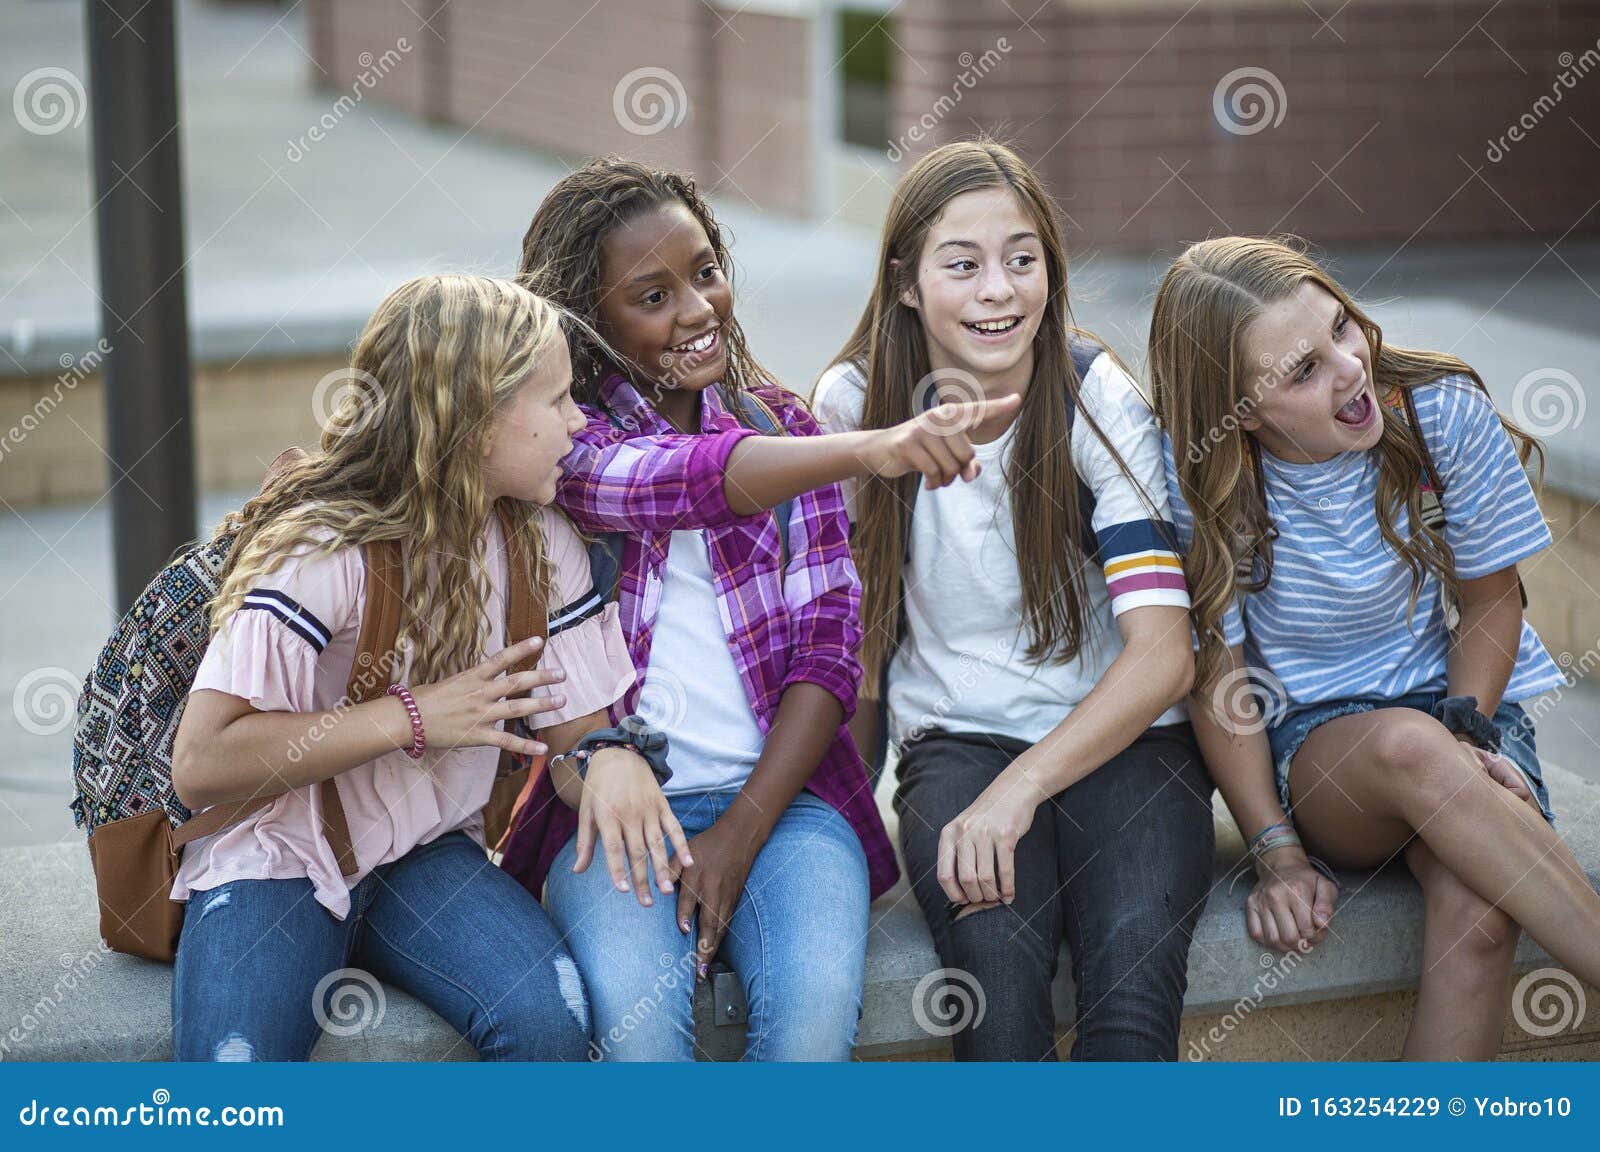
pixel 701 345
pixel 993 329
pixel 1358 413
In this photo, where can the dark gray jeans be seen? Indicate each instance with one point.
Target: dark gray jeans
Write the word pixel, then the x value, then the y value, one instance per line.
pixel 1121 862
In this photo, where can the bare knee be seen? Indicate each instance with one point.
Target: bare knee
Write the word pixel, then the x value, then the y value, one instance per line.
pixel 1417 751
pixel 1474 930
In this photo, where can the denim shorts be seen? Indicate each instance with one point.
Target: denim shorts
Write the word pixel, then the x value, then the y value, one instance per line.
pixel 1516 737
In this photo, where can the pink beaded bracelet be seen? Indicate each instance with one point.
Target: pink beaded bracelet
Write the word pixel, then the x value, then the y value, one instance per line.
pixel 418 740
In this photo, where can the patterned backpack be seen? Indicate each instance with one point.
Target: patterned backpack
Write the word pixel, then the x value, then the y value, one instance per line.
pixel 131 706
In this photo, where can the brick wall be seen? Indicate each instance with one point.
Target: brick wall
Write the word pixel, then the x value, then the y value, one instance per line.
pixel 725 97
pixel 545 74
pixel 1114 105
pixel 349 38
pixel 761 135
pixel 1387 109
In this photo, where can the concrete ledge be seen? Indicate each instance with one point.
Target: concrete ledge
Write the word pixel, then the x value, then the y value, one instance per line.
pixel 66 999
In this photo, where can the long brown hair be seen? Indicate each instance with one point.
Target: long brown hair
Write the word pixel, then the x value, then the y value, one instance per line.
pixel 1201 384
pixel 889 347
pixel 401 459
pixel 561 262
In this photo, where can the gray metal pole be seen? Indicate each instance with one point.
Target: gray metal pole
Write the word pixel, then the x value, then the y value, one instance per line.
pixel 133 86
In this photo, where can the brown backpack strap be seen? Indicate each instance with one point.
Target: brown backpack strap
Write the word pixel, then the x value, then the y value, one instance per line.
pixel 218 817
pixel 372 672
pixel 527 614
pixel 281 463
pixel 527 606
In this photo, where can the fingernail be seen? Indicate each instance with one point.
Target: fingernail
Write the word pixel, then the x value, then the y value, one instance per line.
pixel 688 859
pixel 540 749
pixel 702 968
pixel 647 902
pixel 622 885
pixel 684 924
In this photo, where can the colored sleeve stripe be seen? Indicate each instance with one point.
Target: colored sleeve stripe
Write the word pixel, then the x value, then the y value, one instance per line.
pixel 1143 561
pixel 1140 566
pixel 291 613
pixel 1136 537
pixel 1148 582
pixel 574 614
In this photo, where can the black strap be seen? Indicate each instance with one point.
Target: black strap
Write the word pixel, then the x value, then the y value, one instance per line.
pixel 1435 480
pixel 605 554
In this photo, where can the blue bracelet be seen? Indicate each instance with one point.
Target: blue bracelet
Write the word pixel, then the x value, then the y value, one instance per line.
pixel 1256 839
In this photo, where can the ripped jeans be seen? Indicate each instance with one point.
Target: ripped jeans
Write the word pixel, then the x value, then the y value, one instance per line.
pixel 441 922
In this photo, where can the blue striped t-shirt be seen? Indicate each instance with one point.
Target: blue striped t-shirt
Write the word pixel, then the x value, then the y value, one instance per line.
pixel 1331 623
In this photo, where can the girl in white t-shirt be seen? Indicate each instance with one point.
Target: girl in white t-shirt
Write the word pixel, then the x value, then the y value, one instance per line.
pixel 458 412
pixel 1028 631
pixel 1353 514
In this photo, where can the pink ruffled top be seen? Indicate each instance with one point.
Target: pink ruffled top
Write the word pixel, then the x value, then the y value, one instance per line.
pixel 291 649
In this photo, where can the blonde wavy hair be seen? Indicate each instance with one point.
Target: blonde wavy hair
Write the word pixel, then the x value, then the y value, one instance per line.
pixel 1202 382
pixel 401 459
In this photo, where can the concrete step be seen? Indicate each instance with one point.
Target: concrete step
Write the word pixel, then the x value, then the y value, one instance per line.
pixel 66 998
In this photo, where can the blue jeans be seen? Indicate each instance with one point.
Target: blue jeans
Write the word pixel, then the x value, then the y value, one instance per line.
pixel 798 941
pixel 441 922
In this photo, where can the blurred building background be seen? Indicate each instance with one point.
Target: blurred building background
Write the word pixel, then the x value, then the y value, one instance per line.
pixel 1443 154
pixel 1355 122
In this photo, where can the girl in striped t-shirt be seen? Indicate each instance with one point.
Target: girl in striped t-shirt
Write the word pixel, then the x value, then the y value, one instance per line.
pixel 1361 662
pixel 1028 631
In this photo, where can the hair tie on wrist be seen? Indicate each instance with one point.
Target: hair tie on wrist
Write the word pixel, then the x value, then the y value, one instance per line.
pixel 418 739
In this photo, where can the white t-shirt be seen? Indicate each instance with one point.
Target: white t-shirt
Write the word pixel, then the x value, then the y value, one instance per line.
pixel 962 666
pixel 692 687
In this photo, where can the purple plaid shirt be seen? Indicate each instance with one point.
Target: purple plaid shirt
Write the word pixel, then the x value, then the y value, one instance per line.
pixel 803 624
